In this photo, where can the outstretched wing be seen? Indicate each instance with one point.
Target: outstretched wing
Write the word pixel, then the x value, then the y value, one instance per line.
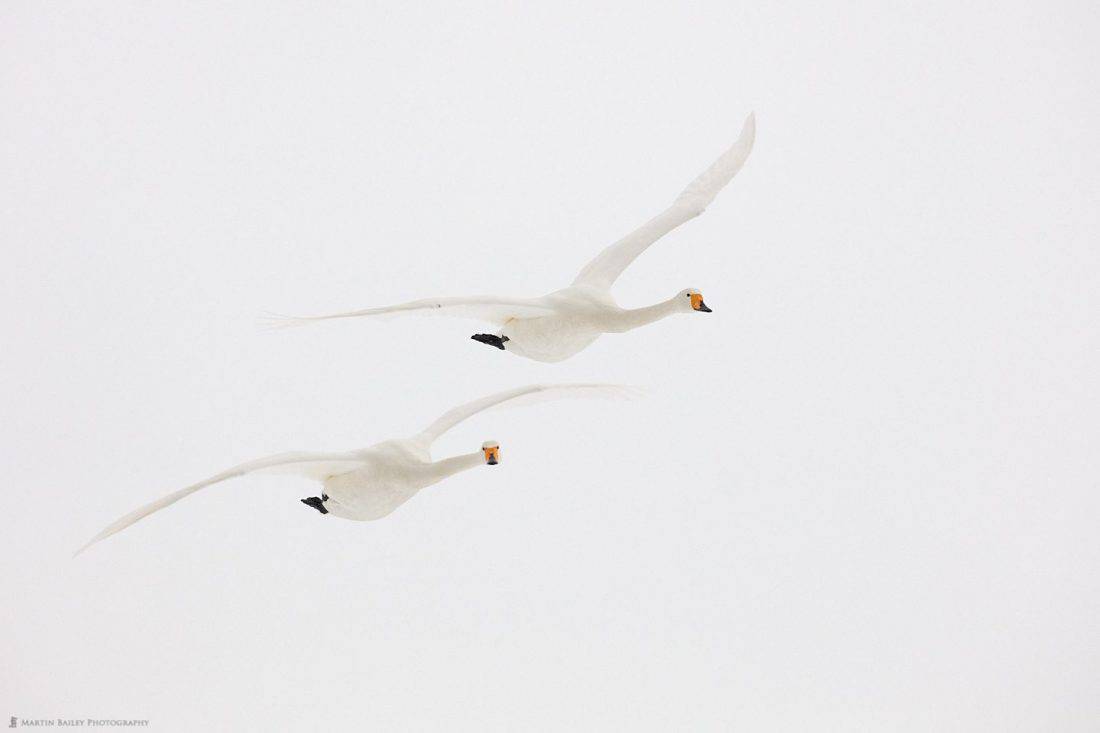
pixel 313 465
pixel 610 263
pixel 515 397
pixel 490 308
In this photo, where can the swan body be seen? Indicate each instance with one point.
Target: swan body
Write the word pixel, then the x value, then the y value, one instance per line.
pixel 579 315
pixel 392 473
pixel 554 327
pixel 370 483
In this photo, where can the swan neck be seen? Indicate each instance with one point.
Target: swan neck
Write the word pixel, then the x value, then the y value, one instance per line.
pixel 635 317
pixel 456 464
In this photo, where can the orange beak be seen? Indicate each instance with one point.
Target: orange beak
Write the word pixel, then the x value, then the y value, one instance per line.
pixel 698 304
pixel 492 455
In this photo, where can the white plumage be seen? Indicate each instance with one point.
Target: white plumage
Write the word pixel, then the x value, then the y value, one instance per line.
pixel 372 482
pixel 554 327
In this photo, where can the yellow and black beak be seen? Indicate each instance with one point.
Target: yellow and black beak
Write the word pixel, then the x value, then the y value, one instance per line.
pixel 698 304
pixel 492 453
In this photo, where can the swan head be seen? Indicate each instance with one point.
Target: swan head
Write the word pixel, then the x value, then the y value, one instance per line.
pixel 491 449
pixel 692 299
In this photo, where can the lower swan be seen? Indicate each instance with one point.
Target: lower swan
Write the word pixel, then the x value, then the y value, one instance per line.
pixel 370 483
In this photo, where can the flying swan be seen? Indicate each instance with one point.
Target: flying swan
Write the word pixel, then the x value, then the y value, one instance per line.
pixel 370 483
pixel 557 326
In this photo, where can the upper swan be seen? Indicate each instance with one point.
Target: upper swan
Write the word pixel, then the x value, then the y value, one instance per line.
pixel 557 326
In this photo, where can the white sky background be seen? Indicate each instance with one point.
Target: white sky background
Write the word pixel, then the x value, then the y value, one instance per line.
pixel 861 495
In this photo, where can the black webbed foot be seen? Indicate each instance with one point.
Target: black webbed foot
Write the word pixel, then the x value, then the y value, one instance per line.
pixel 317 503
pixel 490 339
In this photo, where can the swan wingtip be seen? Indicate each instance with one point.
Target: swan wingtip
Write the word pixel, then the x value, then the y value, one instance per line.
pixel 748 130
pixel 277 321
